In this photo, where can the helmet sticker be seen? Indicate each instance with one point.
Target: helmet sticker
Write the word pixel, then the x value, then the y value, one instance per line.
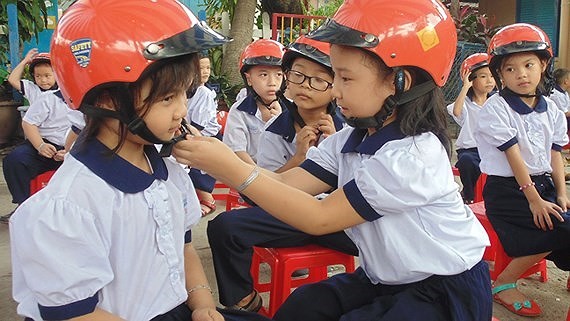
pixel 428 38
pixel 81 49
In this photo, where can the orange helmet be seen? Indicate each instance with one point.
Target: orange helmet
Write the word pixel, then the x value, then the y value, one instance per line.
pixel 473 63
pixel 104 41
pixel 518 37
pixel 311 49
pixel 40 58
pixel 419 33
pixel 265 52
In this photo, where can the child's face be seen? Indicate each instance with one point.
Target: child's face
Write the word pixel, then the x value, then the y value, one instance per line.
pixel 304 96
pixel 360 85
pixel 204 70
pixel 43 76
pixel 484 82
pixel 265 81
pixel 164 117
pixel 521 72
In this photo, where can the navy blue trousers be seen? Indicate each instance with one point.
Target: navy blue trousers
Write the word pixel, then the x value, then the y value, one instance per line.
pixel 468 165
pixel 352 297
pixel 232 236
pixel 22 165
pixel 203 182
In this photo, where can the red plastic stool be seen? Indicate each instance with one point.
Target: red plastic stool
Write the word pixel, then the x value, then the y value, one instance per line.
pixel 232 197
pixel 478 192
pixel 495 253
pixel 40 181
pixel 283 261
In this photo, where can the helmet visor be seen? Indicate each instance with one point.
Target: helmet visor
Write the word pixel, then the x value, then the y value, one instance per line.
pixel 199 37
pixel 519 46
pixel 305 51
pixel 335 33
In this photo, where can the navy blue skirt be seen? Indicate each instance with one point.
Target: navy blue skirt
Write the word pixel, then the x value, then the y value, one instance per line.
pixel 508 211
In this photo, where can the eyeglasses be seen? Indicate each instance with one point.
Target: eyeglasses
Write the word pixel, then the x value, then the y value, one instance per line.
pixel 318 84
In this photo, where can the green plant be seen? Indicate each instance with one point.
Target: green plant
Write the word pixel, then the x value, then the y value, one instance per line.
pixel 326 10
pixel 32 18
pixel 227 92
pixel 471 25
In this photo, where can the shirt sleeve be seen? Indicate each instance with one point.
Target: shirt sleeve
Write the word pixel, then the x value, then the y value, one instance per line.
pixel 560 129
pixel 63 257
pixel 235 134
pixel 460 120
pixel 269 155
pixel 494 127
pixel 38 112
pixel 30 90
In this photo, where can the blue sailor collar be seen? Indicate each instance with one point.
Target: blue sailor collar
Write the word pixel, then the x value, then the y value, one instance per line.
pixel 558 88
pixel 516 103
pixel 248 105
pixel 284 125
pixel 118 172
pixel 358 142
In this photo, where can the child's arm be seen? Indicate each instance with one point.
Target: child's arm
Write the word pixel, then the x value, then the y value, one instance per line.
pixel 460 101
pixel 559 180
pixel 32 133
pixel 305 138
pixel 98 315
pixel 200 299
pixel 541 209
pixel 16 74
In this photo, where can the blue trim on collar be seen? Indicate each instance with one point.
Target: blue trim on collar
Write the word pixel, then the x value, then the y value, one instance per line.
pixel 70 310
pixel 557 87
pixel 516 103
pixel 359 203
pixel 284 125
pixel 118 172
pixel 370 144
pixel 248 105
pixel 59 94
pixel 319 172
pixel 198 126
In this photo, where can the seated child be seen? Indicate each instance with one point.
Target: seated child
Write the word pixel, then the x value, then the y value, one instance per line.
pixel 260 67
pixel 110 237
pixel 420 247
pixel 477 84
pixel 201 114
pixel 519 136
pixel 308 119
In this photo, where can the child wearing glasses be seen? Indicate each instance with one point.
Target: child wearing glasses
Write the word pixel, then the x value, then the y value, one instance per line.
pixel 308 120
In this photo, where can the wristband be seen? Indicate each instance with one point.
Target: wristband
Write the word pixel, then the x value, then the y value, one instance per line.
pixel 40 147
pixel 252 176
pixel 525 186
pixel 199 287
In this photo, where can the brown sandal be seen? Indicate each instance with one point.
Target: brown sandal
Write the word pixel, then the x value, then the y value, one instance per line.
pixel 254 305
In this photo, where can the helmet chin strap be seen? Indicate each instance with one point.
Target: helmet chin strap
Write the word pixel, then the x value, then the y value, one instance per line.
pixel 401 97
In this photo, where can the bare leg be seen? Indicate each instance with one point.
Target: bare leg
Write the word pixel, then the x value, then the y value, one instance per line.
pixel 512 273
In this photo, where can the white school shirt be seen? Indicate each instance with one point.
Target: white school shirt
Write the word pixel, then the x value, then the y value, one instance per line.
pixel 278 143
pixel 202 109
pixel 244 126
pixel 104 234
pixel 561 98
pixel 30 90
pixel 77 119
pixel 468 122
pixel 416 223
pixel 506 120
pixel 49 114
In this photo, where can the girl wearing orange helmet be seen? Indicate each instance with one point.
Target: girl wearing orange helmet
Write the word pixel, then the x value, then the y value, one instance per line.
pixel 520 135
pixel 260 68
pixel 109 238
pixel 478 83
pixel 308 119
pixel 420 247
pixel 41 71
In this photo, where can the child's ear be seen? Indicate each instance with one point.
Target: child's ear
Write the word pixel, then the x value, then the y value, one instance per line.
pixel 409 80
pixel 247 78
pixel 104 101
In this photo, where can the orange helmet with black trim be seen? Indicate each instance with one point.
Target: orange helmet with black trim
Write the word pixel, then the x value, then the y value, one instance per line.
pixel 418 33
pixel 518 37
pixel 473 63
pixel 264 52
pixel 311 49
pixel 107 41
pixel 40 58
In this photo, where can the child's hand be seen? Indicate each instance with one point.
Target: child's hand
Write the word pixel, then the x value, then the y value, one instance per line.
pixel 59 155
pixel 275 108
pixel 30 55
pixel 326 125
pixel 205 153
pixel 541 212
pixel 47 150
pixel 563 202
pixel 466 82
pixel 306 138
pixel 206 314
